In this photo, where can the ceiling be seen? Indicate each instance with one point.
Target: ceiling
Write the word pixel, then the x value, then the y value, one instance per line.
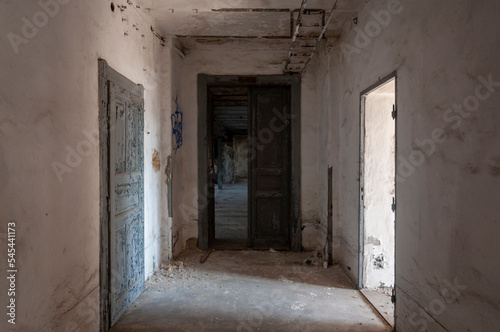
pixel 240 18
pixel 275 21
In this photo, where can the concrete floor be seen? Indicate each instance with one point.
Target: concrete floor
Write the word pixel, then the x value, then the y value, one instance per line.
pixel 250 291
pixel 231 211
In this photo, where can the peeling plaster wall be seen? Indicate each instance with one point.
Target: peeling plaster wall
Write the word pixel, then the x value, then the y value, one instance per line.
pixel 447 222
pixel 252 58
pixel 48 100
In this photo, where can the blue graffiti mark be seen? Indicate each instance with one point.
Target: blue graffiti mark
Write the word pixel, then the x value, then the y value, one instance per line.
pixel 177 126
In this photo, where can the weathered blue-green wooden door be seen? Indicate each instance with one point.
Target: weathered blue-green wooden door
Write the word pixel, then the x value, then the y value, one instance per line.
pixel 126 197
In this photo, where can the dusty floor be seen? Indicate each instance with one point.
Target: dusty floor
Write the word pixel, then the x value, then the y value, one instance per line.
pixel 250 291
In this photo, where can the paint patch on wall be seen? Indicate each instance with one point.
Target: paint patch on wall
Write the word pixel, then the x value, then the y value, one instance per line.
pixel 378 262
pixel 156 161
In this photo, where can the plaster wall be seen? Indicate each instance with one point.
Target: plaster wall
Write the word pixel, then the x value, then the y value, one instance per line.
pixel 49 114
pixel 445 53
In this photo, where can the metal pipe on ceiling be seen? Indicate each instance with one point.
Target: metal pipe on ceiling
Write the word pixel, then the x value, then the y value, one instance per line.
pixel 296 33
pixel 335 6
pixel 251 10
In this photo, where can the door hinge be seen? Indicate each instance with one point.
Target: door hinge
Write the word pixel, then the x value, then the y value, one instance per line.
pixel 393 296
pixel 394 112
pixel 393 206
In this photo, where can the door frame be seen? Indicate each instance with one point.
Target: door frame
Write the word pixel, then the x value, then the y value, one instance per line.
pixel 361 224
pixel 106 74
pixel 206 220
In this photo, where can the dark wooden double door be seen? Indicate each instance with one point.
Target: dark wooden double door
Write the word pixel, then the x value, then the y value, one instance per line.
pixel 269 161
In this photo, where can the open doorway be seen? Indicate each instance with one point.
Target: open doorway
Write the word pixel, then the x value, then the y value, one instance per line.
pixel 230 161
pixel 377 195
pixel 271 106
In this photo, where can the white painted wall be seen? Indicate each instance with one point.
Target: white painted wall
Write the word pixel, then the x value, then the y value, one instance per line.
pixel 447 217
pixel 379 188
pixel 48 99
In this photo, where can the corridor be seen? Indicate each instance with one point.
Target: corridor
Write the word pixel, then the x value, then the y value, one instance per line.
pixel 366 134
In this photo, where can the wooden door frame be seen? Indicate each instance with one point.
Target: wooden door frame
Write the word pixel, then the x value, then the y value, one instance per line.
pixel 106 74
pixel 206 222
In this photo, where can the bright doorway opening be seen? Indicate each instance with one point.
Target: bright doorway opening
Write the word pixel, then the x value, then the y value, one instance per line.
pixel 377 196
pixel 230 162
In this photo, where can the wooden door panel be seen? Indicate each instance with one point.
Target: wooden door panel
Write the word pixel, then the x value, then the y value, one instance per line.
pixel 135 243
pixel 128 192
pixel 126 198
pixel 269 183
pixel 270 168
pixel 119 270
pixel 119 135
pixel 271 156
pixel 132 139
pixel 270 225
